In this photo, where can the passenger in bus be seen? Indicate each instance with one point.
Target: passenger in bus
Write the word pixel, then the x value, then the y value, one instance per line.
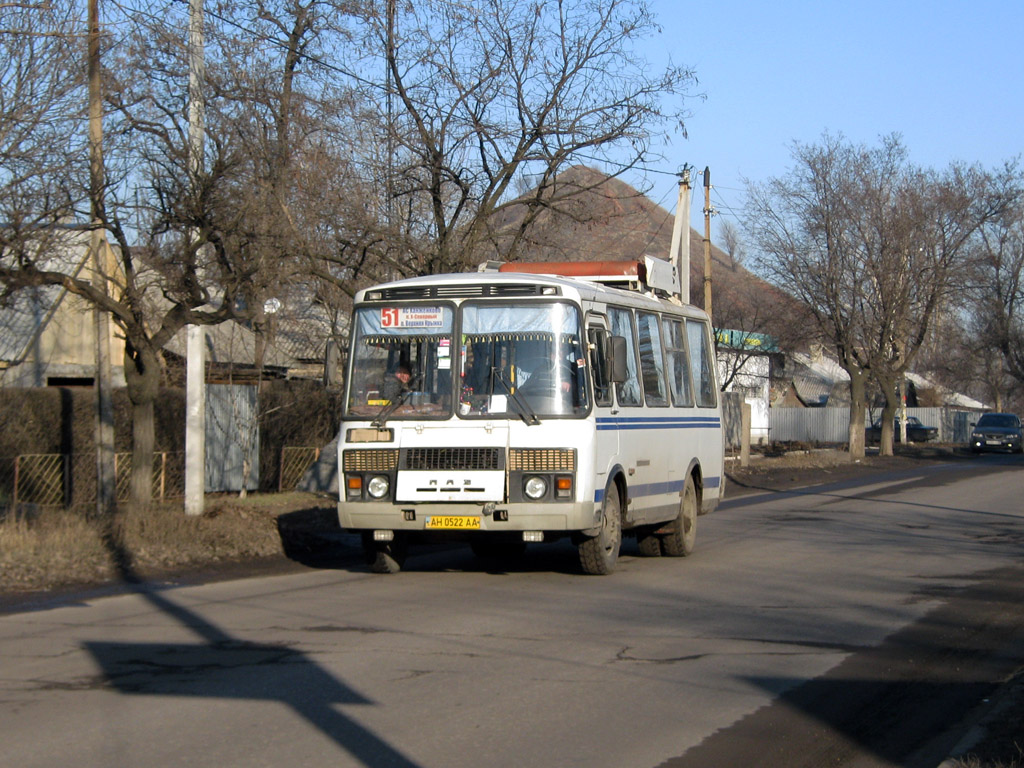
pixel 549 379
pixel 396 384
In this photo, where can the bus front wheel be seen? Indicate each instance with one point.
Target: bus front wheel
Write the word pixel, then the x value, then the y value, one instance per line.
pixel 385 556
pixel 598 554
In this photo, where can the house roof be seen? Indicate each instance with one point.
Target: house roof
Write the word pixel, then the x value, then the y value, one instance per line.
pixel 818 375
pixel 299 334
pixel 948 396
pixel 823 367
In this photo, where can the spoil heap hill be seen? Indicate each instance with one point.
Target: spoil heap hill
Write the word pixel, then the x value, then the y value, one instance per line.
pixel 604 218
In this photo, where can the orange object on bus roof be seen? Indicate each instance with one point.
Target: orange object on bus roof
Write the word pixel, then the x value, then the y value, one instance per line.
pixel 577 268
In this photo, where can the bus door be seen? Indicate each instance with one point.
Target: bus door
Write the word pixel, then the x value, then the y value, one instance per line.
pixel 607 437
pixel 705 386
pixel 640 443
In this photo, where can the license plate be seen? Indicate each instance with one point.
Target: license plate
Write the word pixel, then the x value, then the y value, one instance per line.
pixel 993 442
pixel 452 522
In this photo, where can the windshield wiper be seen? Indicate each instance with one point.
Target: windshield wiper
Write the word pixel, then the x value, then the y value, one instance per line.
pixel 381 418
pixel 523 409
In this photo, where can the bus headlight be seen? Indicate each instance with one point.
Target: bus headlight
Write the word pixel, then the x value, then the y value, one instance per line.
pixel 378 486
pixel 535 487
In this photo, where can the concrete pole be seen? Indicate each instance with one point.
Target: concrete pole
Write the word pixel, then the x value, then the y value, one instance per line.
pixel 195 421
pixel 106 474
pixel 680 251
pixel 745 435
pixel 195 377
pixel 903 410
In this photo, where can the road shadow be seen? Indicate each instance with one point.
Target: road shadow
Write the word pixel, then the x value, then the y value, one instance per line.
pixel 220 666
pixel 906 702
pixel 312 537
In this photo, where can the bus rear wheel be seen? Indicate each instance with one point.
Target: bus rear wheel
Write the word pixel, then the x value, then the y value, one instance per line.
pixel 598 554
pixel 648 542
pixel 680 540
pixel 385 556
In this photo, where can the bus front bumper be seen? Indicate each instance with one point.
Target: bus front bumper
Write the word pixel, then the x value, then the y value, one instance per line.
pixel 458 518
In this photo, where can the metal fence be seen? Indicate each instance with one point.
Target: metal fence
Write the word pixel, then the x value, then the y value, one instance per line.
pixel 69 480
pixel 832 425
pixel 295 461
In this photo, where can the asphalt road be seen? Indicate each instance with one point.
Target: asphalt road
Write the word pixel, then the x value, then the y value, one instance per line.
pixel 856 624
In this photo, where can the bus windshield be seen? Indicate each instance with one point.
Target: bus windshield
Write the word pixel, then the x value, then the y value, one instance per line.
pixel 401 362
pixel 522 357
pixel 517 361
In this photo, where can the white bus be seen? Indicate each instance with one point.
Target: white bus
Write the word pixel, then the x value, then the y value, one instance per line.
pixel 527 403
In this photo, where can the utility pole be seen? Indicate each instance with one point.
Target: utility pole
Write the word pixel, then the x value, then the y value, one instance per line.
pixel 389 57
pixel 106 479
pixel 680 253
pixel 707 242
pixel 195 373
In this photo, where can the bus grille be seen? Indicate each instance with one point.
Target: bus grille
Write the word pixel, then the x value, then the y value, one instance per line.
pixel 542 459
pixel 453 458
pixel 370 460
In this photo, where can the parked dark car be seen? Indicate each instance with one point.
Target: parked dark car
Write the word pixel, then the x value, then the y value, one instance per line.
pixel 997 432
pixel 916 431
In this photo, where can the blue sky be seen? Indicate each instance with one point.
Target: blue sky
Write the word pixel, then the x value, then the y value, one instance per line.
pixel 947 75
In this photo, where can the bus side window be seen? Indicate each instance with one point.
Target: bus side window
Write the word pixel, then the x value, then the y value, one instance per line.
pixel 628 392
pixel 678 363
pixel 598 339
pixel 652 362
pixel 701 361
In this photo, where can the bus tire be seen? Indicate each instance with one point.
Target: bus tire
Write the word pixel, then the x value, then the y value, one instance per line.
pixel 385 556
pixel 680 540
pixel 598 554
pixel 648 542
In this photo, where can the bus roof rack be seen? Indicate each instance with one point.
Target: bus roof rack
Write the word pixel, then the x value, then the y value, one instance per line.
pixel 646 274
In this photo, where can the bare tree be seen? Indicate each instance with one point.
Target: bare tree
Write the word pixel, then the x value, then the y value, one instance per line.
pixel 752 320
pixel 732 242
pixel 190 247
pixel 924 223
pixel 996 286
pixel 340 149
pixel 473 97
pixel 965 359
pixel 873 245
pixel 42 115
pixel 805 225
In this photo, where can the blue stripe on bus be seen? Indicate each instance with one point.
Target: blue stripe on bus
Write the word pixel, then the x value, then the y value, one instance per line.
pixel 659 489
pixel 674 422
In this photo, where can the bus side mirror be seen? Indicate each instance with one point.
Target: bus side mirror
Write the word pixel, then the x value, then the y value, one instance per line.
pixel 617 358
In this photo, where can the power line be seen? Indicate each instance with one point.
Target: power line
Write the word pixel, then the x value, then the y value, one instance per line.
pixel 256 35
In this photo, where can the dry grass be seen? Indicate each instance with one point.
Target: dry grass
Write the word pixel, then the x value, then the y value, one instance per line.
pixel 1003 745
pixel 970 761
pixel 54 547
